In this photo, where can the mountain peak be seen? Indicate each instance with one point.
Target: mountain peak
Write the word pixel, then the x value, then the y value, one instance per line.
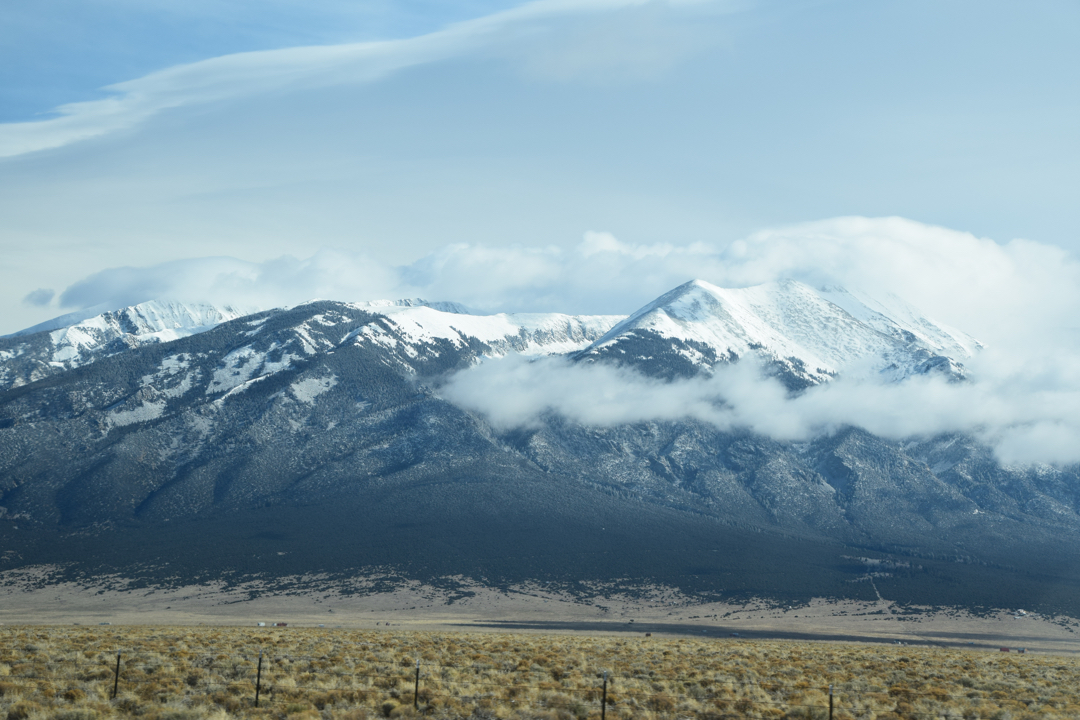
pixel 816 334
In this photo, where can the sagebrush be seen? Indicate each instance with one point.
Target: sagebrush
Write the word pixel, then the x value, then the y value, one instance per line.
pixel 180 673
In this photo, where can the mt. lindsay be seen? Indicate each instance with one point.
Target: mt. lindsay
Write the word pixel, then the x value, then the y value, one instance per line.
pixel 174 443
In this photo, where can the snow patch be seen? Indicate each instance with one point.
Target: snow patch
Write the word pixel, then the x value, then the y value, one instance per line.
pixel 310 388
pixel 239 389
pixel 149 410
pixel 13 353
pixel 246 364
pixel 237 368
pixel 172 365
pixel 180 388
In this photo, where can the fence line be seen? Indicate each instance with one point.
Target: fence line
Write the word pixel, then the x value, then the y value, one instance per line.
pixel 406 674
pixel 267 670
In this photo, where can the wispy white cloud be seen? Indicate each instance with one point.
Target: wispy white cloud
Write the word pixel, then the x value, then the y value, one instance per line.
pixel 39 297
pixel 245 74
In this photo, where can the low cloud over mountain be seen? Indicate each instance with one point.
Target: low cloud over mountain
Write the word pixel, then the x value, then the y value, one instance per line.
pixel 1018 299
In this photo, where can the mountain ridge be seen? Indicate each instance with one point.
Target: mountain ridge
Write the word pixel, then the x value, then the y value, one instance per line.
pixel 796 327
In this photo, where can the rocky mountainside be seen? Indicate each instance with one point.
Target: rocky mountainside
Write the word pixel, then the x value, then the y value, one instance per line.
pixel 54 347
pixel 316 439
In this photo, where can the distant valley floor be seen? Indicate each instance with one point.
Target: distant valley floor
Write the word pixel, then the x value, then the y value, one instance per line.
pixel 530 609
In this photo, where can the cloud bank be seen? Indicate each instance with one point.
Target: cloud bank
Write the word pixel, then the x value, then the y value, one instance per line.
pixel 1018 414
pixel 1016 295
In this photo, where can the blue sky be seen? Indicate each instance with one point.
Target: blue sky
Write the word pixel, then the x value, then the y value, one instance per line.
pixel 391 133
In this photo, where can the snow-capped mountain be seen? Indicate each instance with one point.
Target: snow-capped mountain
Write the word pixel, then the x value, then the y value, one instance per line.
pixel 28 356
pixel 894 317
pixel 184 441
pixel 411 335
pixel 809 335
pixel 526 333
pixel 412 326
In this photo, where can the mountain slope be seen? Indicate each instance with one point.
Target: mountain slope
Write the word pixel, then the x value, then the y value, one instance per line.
pixel 28 356
pixel 315 439
pixel 807 335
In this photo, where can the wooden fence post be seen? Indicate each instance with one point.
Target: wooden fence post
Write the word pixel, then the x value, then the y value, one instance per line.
pixel 603 700
pixel 258 680
pixel 830 702
pixel 416 687
pixel 116 682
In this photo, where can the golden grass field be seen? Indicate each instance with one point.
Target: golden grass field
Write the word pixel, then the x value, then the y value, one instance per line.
pixel 67 673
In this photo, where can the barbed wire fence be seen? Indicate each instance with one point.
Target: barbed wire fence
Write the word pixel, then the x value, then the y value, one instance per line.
pixel 289 680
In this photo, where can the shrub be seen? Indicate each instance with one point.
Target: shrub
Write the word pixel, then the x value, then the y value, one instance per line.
pixel 22 710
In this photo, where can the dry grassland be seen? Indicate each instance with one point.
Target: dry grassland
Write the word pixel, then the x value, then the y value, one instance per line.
pixel 67 673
